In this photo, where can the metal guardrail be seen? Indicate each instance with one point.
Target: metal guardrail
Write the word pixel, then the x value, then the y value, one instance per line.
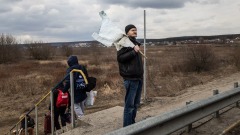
pixel 17 127
pixel 177 119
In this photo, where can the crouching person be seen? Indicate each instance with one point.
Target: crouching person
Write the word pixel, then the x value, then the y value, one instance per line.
pixel 30 125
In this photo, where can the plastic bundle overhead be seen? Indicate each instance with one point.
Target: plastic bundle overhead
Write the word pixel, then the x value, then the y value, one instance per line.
pixel 109 34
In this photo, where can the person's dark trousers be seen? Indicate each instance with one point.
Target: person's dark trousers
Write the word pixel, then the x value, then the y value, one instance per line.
pixel 132 100
pixel 59 112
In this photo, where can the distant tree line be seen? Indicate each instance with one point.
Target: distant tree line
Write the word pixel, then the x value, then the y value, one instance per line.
pixel 11 51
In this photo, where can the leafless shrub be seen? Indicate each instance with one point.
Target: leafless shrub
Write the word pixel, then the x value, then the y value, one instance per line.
pixel 66 50
pixel 199 58
pixel 9 50
pixel 236 57
pixel 40 50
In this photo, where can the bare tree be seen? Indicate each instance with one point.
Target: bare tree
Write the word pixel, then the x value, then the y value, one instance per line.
pixel 199 58
pixel 66 50
pixel 9 49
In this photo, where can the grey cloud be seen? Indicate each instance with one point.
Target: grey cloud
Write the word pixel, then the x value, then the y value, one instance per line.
pixel 157 4
pixel 161 19
pixel 55 25
pixel 9 1
pixel 36 21
pixel 205 19
pixel 65 26
pixel 29 25
pixel 158 20
pixel 5 9
pixel 207 2
pixel 163 12
pixel 68 34
pixel 23 23
pixel 5 5
pixel 61 20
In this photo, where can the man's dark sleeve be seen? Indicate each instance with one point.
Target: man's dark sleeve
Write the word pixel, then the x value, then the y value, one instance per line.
pixel 125 55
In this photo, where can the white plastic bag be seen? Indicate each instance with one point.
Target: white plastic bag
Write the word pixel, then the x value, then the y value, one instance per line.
pixel 123 42
pixel 109 32
pixel 91 98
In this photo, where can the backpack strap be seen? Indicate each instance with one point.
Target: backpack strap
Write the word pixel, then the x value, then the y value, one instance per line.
pixel 83 69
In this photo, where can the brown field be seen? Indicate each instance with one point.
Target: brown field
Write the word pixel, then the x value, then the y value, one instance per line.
pixel 24 83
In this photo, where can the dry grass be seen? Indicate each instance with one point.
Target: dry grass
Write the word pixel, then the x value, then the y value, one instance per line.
pixel 24 83
pixel 167 73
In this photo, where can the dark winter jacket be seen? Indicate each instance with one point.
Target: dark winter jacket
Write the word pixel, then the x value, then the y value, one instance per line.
pixel 30 122
pixel 130 63
pixel 55 96
pixel 79 95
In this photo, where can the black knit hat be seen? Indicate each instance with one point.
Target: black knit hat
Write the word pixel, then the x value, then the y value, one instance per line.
pixel 128 27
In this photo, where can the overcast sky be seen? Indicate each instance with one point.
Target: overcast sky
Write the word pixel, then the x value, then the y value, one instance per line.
pixel 76 20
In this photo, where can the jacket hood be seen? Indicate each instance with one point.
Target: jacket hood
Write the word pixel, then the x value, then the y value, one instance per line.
pixel 72 60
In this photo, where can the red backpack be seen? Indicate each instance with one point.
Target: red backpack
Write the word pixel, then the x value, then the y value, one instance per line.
pixel 62 99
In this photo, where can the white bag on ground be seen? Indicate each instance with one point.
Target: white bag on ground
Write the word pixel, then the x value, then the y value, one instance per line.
pixel 91 98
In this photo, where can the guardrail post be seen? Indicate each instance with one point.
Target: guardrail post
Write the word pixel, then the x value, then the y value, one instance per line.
pixel 216 114
pixel 215 92
pixel 26 125
pixel 189 127
pixel 52 111
pixel 36 119
pixel 72 99
pixel 235 84
pixel 237 104
pixel 17 129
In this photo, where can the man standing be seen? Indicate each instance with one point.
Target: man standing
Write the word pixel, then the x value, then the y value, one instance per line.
pixel 131 69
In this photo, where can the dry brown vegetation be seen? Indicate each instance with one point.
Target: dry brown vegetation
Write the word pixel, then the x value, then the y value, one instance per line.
pixel 170 69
